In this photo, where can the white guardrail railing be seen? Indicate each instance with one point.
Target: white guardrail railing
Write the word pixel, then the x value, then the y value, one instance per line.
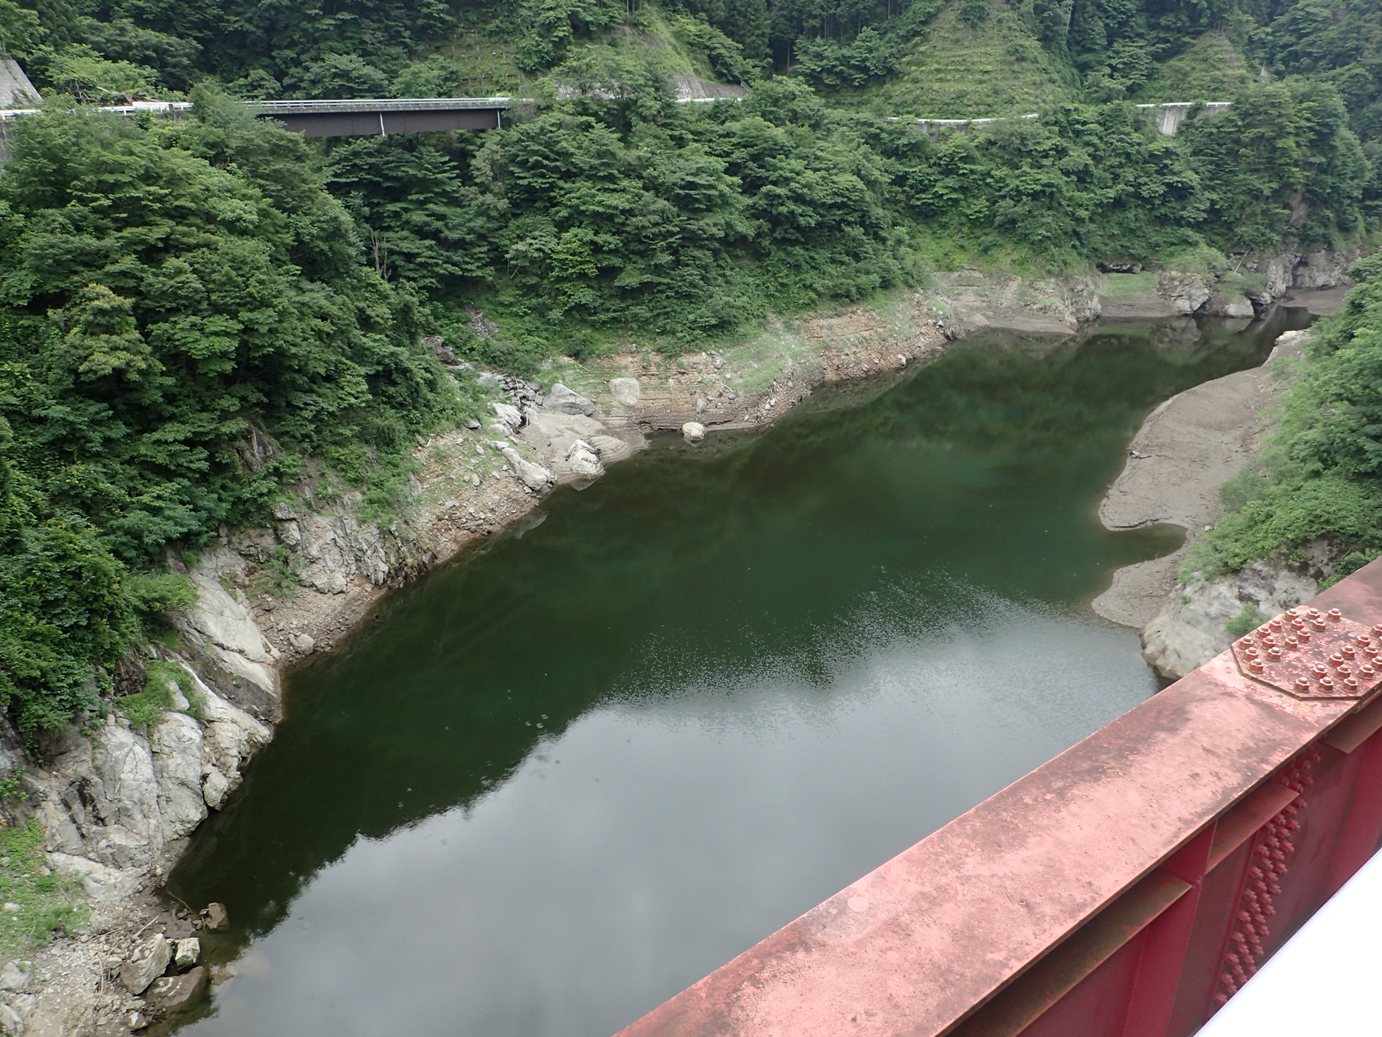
pixel 417 104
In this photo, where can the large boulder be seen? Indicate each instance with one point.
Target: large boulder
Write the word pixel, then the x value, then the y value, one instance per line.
pixel 175 994
pixel 693 431
pixel 626 391
pixel 583 462
pixel 1187 293
pixel 509 416
pixel 146 963
pixel 535 477
pixel 565 400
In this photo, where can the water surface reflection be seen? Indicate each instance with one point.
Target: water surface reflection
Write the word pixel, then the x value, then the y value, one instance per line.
pixel 558 782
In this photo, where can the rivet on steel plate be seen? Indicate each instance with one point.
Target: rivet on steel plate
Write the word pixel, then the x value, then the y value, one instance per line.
pixel 1350 684
pixel 1327 683
pixel 1302 684
pixel 1335 615
pixel 1348 651
pixel 1273 653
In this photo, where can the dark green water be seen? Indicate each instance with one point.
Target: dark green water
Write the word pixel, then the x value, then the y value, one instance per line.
pixel 557 782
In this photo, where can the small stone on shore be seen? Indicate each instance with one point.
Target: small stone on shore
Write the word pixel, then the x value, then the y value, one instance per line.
pixel 187 952
pixel 215 916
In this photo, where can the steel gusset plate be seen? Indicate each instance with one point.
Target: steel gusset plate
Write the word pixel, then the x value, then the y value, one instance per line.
pixel 1313 655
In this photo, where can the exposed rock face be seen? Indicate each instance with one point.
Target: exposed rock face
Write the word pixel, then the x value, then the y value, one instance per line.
pixel 222 625
pixel 101 882
pixel 117 799
pixel 575 447
pixel 1186 293
pixel 612 448
pixel 1193 627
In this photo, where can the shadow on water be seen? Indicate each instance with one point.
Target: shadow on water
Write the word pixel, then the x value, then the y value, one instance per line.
pixel 808 597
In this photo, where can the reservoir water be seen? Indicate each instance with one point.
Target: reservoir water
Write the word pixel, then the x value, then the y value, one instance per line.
pixel 558 781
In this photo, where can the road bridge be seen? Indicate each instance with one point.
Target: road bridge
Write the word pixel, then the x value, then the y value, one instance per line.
pixel 382 116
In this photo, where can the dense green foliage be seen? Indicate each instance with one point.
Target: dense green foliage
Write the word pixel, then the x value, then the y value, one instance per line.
pixel 183 316
pixel 620 209
pixel 190 310
pixel 1321 474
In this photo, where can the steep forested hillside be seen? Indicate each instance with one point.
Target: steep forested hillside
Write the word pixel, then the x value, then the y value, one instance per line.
pixel 189 311
pixel 183 318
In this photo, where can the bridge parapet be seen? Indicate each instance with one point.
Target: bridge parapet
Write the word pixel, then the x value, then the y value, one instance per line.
pixel 1127 887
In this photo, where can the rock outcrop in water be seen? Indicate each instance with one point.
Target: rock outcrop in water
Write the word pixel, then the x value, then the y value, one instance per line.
pixel 1243 292
pixel 1194 625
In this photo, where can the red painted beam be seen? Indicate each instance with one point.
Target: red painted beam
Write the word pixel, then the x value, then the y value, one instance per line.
pixel 920 944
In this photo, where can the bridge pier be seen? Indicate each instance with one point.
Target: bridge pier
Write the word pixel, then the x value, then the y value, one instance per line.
pixel 1126 888
pixel 1171 116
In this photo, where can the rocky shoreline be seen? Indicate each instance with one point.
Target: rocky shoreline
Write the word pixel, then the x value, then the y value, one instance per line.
pixel 1185 451
pixel 118 806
